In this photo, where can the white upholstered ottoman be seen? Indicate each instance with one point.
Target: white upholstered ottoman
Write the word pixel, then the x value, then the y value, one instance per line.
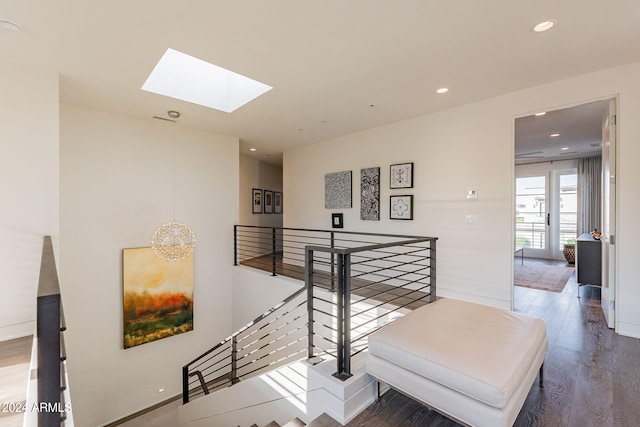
pixel 471 362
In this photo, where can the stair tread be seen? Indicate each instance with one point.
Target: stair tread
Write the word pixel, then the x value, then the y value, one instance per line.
pixel 296 422
pixel 272 424
pixel 324 420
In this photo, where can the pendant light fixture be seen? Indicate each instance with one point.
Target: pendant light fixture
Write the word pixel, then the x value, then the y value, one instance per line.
pixel 174 240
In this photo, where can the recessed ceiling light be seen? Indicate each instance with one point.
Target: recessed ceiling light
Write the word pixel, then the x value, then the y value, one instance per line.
pixel 541 113
pixel 543 26
pixel 9 26
pixel 173 114
pixel 554 135
pixel 442 90
pixel 190 79
pixel 564 148
pixel 252 149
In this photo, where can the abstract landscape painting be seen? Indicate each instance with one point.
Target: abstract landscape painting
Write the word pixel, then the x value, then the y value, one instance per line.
pixel 157 296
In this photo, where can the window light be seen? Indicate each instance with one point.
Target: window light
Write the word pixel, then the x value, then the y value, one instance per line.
pixel 181 76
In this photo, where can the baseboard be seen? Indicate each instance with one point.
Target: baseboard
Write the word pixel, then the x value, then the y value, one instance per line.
pixel 628 329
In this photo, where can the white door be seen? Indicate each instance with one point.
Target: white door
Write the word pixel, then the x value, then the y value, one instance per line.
pixel 609 214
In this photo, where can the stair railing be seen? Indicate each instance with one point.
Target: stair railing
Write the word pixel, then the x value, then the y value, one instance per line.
pixel 50 325
pixel 375 284
pixel 355 283
pixel 270 340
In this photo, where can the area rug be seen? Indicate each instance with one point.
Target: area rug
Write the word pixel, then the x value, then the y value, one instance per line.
pixel 545 277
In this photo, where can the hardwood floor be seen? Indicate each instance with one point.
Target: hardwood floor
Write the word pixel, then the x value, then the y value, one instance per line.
pixel 15 356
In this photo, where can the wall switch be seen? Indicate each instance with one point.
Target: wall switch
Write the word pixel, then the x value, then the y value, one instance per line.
pixel 471 219
pixel 472 195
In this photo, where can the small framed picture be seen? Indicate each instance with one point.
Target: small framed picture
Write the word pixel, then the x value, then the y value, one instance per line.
pixel 256 199
pixel 268 201
pixel 277 202
pixel 401 176
pixel 401 207
pixel 337 220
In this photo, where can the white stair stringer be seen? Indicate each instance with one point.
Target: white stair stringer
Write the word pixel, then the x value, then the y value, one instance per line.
pixel 297 390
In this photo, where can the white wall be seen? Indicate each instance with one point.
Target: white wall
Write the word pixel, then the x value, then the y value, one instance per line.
pixel 28 189
pixel 257 174
pixel 472 147
pixel 116 189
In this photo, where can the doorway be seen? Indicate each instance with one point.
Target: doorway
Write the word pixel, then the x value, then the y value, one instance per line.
pixel 550 201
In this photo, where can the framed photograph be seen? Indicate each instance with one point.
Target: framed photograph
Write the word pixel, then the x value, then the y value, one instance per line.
pixel 401 207
pixel 337 220
pixel 277 202
pixel 268 201
pixel 401 176
pixel 157 296
pixel 256 200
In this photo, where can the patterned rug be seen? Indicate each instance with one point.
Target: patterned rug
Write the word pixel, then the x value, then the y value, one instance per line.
pixel 545 277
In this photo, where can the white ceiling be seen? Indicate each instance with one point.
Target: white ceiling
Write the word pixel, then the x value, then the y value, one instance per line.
pixel 579 130
pixel 337 66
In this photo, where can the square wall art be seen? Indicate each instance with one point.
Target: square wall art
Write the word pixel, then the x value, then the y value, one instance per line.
pixel 401 207
pixel 337 190
pixel 370 194
pixel 401 176
pixel 157 296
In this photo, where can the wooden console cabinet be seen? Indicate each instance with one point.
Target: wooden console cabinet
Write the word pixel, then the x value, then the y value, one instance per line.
pixel 588 261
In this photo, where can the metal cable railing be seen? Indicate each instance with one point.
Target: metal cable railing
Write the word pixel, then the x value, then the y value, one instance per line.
pixel 355 284
pixel 272 339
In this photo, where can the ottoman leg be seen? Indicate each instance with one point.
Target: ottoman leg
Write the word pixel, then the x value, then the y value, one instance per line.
pixel 542 375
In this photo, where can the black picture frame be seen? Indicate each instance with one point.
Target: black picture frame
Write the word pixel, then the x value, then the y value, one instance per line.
pixel 337 220
pixel 268 201
pixel 256 200
pixel 401 207
pixel 277 202
pixel 401 175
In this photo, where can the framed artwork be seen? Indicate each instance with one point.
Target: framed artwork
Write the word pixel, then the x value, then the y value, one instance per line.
pixel 337 190
pixel 401 207
pixel 277 202
pixel 337 220
pixel 157 296
pixel 268 201
pixel 401 176
pixel 370 194
pixel 256 200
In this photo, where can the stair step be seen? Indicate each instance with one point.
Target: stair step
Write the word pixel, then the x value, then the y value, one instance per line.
pixel 296 422
pixel 272 424
pixel 324 420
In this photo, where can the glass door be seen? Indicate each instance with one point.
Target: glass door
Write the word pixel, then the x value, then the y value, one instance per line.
pixel 564 229
pixel 532 216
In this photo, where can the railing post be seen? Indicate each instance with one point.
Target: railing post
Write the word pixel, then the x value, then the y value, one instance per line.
pixel 185 385
pixel 308 281
pixel 234 359
pixel 344 317
pixel 333 262
pixel 432 270
pixel 235 244
pixel 273 252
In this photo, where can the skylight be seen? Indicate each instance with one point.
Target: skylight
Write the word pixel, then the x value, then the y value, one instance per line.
pixel 190 79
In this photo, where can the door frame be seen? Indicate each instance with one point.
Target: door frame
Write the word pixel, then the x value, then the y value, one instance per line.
pixel 613 270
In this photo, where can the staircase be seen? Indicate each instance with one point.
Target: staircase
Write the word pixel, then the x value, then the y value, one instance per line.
pixel 323 420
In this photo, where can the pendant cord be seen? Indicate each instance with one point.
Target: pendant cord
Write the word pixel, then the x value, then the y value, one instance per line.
pixel 174 179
